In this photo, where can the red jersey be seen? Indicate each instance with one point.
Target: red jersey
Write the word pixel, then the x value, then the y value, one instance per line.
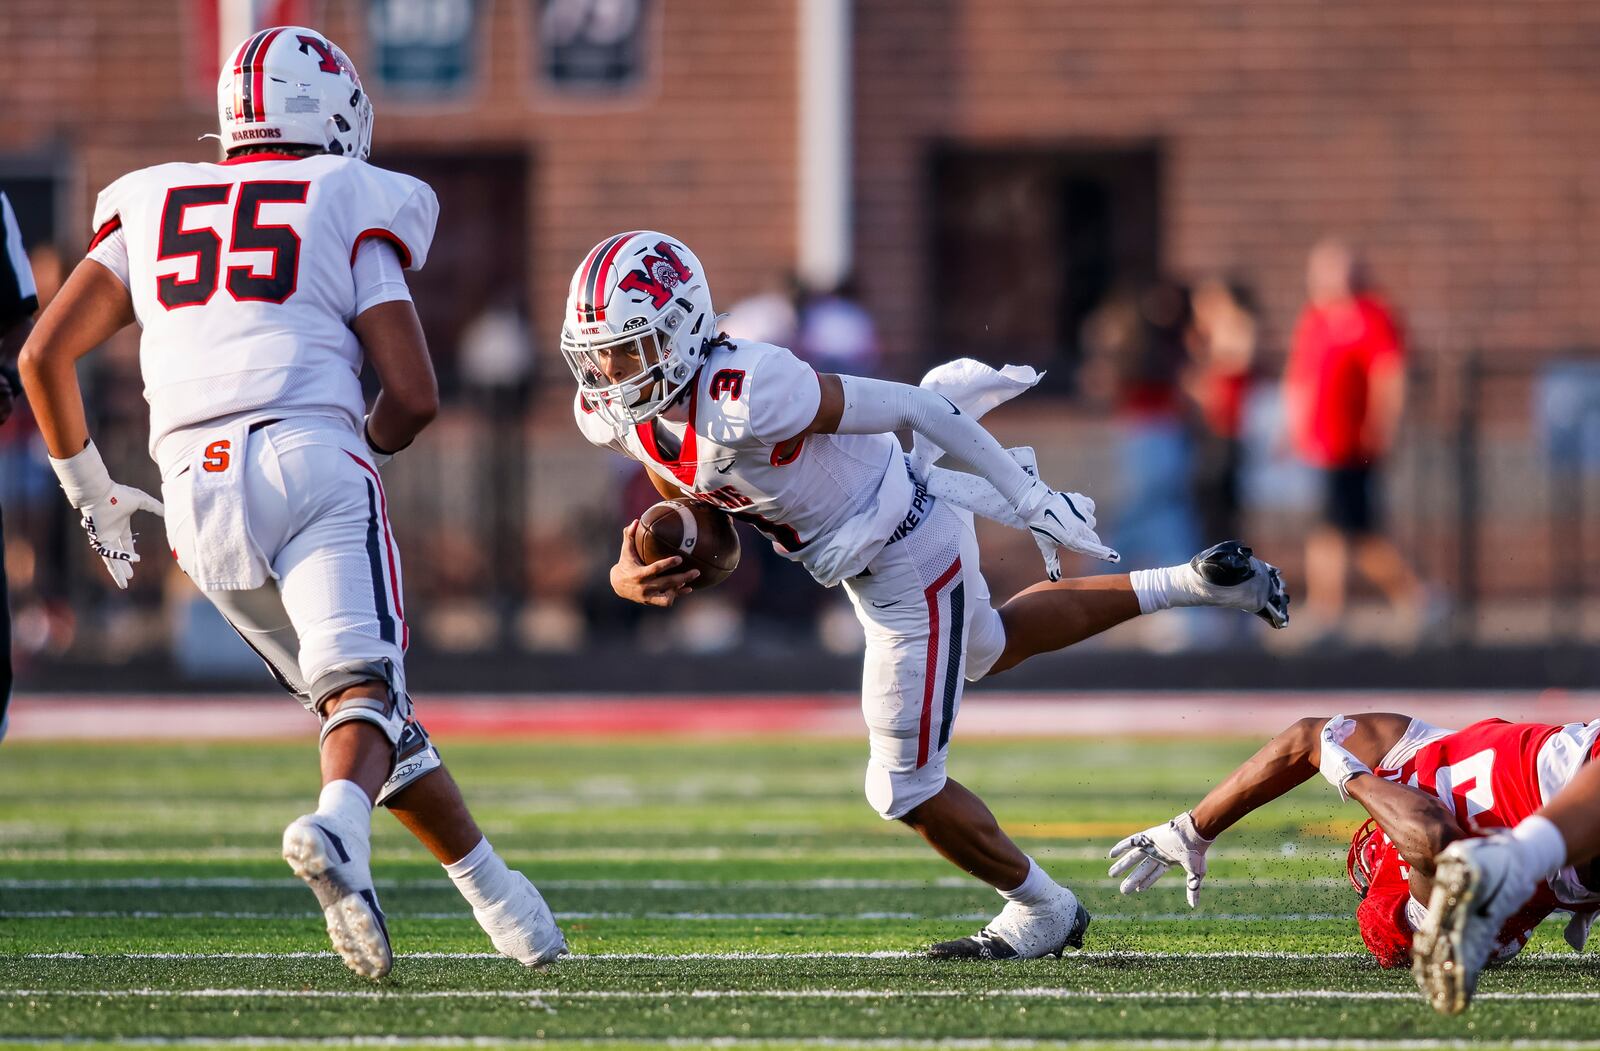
pixel 1334 353
pixel 1491 775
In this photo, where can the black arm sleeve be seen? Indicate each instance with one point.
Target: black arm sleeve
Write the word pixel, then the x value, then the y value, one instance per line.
pixel 18 296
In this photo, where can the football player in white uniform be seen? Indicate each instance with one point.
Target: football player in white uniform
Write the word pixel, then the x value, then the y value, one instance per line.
pixel 813 462
pixel 260 283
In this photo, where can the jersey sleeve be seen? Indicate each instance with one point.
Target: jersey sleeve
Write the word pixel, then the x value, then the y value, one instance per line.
pixel 18 296
pixel 111 252
pixel 107 212
pixel 1418 735
pixel 782 394
pixel 378 274
pixel 398 209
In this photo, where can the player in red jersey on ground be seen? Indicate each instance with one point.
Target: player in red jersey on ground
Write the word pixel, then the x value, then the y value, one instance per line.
pixel 1424 787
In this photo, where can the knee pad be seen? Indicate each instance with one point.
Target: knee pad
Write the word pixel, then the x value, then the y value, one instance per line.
pixel 894 794
pixel 386 714
pixel 415 757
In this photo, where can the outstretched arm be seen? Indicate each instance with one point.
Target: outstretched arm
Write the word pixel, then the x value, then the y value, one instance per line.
pixel 857 405
pixel 1289 759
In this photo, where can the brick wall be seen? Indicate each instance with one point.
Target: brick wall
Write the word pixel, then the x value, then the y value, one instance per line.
pixel 709 155
pixel 1455 138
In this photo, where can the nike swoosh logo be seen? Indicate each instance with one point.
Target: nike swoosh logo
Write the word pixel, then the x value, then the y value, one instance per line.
pixel 886 605
pixel 724 469
pixel 953 410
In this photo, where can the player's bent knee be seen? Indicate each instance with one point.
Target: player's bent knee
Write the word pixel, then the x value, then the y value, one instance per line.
pixel 894 794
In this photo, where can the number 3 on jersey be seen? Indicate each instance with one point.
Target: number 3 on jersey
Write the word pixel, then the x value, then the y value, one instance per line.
pixel 182 240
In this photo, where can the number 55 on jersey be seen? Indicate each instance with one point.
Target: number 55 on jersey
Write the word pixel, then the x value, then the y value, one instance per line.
pixel 240 274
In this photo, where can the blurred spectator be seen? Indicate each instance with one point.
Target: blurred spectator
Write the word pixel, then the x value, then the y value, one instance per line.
pixel 1135 352
pixel 837 334
pixel 497 350
pixel 1222 346
pixel 767 317
pixel 496 366
pixel 1344 389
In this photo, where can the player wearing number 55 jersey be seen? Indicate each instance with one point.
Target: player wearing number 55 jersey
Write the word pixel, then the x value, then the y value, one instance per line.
pixel 261 284
pixel 813 462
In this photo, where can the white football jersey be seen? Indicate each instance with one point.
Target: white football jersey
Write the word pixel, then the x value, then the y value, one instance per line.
pixel 240 274
pixel 830 501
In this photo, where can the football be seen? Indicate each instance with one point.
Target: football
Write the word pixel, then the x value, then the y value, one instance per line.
pixel 701 534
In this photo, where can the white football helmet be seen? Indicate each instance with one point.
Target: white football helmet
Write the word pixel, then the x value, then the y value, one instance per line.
pixel 290 85
pixel 640 294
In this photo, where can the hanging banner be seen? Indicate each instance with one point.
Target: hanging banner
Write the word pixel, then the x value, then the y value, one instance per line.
pixel 423 48
pixel 593 47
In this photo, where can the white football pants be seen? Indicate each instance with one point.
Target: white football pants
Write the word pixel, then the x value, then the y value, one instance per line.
pixel 929 625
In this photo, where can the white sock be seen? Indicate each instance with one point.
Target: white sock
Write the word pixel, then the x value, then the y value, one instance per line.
pixel 346 802
pixel 1542 843
pixel 1036 889
pixel 482 876
pixel 1156 589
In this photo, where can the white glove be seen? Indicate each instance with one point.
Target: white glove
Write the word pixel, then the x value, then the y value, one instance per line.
pixel 1151 852
pixel 106 508
pixel 1061 520
pixel 1336 764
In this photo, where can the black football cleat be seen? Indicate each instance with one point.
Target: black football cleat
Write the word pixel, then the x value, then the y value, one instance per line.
pixel 1239 580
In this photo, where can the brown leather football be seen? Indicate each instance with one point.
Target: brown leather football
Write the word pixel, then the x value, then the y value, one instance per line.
pixel 701 534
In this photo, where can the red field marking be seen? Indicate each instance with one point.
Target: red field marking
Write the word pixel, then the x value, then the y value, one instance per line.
pixel 112 717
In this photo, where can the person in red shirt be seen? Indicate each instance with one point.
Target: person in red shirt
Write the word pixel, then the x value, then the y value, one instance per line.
pixel 1344 389
pixel 1425 788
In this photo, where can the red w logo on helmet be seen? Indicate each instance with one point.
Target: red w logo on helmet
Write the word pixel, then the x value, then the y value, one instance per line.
pixel 657 276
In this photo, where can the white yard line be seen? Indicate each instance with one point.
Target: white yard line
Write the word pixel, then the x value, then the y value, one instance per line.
pixel 882 954
pixel 1027 993
pixel 716 886
pixel 796 917
pixel 264 854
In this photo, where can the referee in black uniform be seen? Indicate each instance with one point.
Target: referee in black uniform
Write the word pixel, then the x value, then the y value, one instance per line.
pixel 19 299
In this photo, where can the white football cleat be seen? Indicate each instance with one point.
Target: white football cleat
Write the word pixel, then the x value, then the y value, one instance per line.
pixel 334 862
pixel 1023 932
pixel 522 927
pixel 1478 885
pixel 1229 576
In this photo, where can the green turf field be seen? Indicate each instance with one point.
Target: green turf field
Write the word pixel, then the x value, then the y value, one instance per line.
pixel 727 894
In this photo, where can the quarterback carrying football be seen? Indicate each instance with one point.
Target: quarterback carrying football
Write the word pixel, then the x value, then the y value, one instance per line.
pixel 812 461
pixel 1424 788
pixel 260 283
